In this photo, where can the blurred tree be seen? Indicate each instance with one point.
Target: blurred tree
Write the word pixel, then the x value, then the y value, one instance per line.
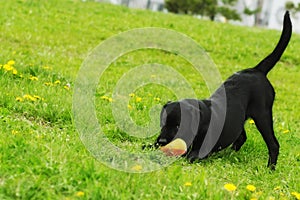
pixel 292 7
pixel 248 11
pixel 209 8
pixel 256 12
pixel 257 18
pixel 177 6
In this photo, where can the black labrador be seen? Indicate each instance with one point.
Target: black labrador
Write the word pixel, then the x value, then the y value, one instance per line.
pixel 213 124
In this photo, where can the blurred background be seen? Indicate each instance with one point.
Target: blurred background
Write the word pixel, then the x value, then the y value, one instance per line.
pixel 263 13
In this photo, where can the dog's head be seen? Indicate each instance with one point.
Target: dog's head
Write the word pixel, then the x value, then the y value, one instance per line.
pixel 179 119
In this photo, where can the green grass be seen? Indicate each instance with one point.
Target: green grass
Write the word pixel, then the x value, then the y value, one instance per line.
pixel 41 154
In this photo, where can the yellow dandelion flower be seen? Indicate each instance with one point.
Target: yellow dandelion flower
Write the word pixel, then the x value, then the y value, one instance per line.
pixel 277 188
pixel 188 184
pixel 258 193
pixel 251 121
pixel 251 188
pixel 137 168
pixel 132 95
pixel 271 198
pixel 79 194
pixel 11 62
pixel 230 187
pixel 253 198
pixel 37 97
pixel 104 97
pixel 29 97
pixel 33 78
pixel 138 99
pixel 14 132
pixel 156 99
pixel 296 195
pixel 48 83
pixel 153 76
pixel 26 96
pixel 129 107
pixel 19 99
pixel 47 67
pixel 7 67
pixel 286 131
pixel 14 71
pixel 57 82
pixel 67 87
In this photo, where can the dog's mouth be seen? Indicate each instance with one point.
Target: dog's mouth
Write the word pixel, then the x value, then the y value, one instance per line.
pixel 159 143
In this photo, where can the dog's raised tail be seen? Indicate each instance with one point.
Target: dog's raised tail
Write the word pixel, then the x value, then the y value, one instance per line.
pixel 268 63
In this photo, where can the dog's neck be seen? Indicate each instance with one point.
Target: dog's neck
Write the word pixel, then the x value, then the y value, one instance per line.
pixel 205 107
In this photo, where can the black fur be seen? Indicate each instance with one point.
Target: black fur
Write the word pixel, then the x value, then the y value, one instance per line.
pixel 249 94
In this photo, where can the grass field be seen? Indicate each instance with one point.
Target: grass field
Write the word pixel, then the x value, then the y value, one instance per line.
pixel 43 44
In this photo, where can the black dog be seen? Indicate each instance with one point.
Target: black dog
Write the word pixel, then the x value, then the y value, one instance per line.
pixel 211 125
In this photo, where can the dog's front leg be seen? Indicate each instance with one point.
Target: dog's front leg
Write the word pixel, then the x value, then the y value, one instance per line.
pixel 240 141
pixel 193 152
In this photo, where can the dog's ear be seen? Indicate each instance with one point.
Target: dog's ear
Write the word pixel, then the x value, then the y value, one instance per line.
pixel 170 114
pixel 189 121
pixel 163 116
pixel 166 104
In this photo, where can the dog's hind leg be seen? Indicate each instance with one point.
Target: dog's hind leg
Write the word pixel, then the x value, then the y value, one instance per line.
pixel 239 141
pixel 264 124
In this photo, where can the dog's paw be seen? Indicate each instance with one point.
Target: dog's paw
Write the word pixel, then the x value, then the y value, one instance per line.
pixel 272 166
pixel 193 156
pixel 236 147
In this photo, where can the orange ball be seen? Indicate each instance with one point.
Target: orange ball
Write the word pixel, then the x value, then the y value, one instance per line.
pixel 175 148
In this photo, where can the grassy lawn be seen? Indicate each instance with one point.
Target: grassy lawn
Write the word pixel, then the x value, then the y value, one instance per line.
pixel 43 44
